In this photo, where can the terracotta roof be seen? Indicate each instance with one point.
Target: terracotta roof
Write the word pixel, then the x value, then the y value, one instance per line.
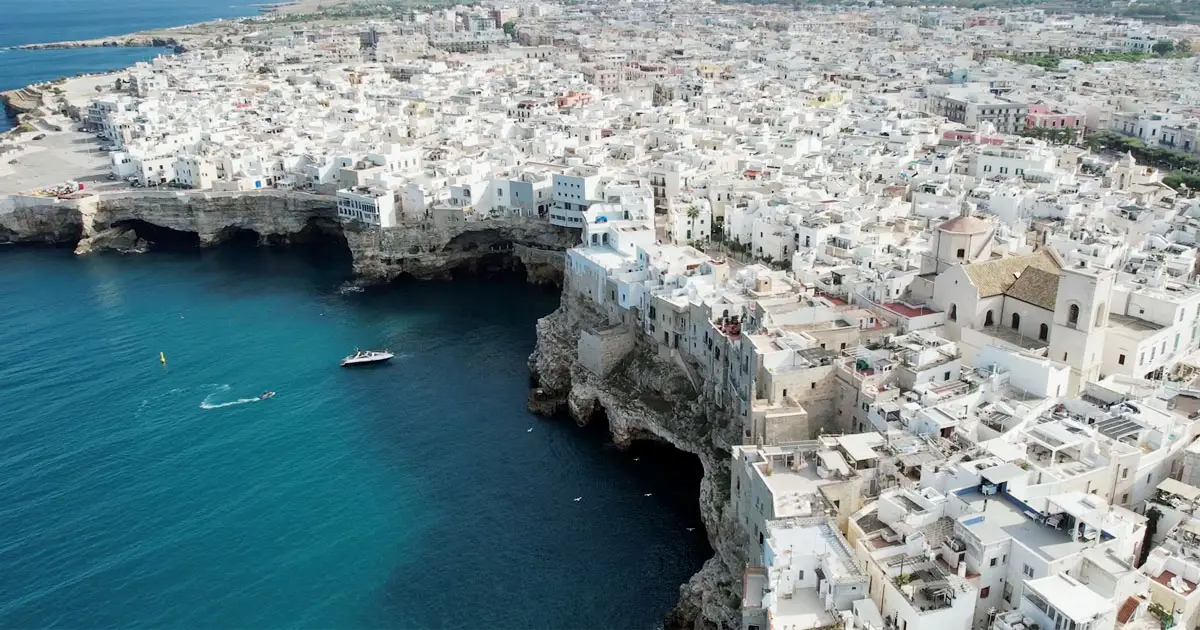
pixel 1035 286
pixel 1127 610
pixel 966 225
pixel 996 276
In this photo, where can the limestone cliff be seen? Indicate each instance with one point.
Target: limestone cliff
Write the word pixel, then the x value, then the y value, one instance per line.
pixel 145 220
pixel 645 397
pixel 44 225
pixel 431 250
pixel 269 217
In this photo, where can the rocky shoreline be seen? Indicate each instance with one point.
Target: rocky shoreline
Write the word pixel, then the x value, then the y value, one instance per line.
pixel 135 222
pixel 648 398
pixel 125 41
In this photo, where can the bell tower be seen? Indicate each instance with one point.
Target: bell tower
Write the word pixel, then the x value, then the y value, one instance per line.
pixel 1080 321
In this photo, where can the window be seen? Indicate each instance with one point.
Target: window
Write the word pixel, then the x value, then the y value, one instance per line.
pixel 1016 321
pixel 987 319
pixel 1003 169
pixel 1120 359
pixel 1125 498
pixel 1064 356
pixel 1027 570
pixel 1125 473
pixel 946 376
pixel 1043 332
pixel 962 253
pixel 993 562
pixel 953 312
pixel 785 392
pixel 1073 315
pixel 812 385
pixel 987 168
pixel 984 592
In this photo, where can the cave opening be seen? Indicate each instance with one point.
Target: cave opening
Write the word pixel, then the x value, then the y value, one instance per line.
pixel 493 265
pixel 324 240
pixel 666 472
pixel 237 237
pixel 161 238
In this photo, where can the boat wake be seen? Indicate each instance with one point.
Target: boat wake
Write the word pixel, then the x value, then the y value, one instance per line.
pixel 208 402
pixel 240 401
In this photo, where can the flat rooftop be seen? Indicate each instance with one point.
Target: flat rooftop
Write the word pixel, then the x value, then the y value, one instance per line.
pixel 603 256
pixel 994 519
pixel 1078 602
pixel 1132 326
pixel 907 311
pixel 804 609
pixel 1014 337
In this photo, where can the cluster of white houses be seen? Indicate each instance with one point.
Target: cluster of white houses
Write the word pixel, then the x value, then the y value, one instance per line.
pixel 960 359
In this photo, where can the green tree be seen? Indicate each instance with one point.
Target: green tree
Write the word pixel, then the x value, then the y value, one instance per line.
pixel 509 27
pixel 1164 47
pixel 693 213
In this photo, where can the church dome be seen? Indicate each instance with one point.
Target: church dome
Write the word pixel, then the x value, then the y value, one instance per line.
pixel 966 225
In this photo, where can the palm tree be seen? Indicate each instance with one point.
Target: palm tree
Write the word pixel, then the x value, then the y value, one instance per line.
pixel 693 213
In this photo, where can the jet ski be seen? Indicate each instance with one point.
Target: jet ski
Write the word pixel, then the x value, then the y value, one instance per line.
pixel 266 395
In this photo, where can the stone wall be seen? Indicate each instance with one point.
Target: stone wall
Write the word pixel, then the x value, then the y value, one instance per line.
pixel 602 350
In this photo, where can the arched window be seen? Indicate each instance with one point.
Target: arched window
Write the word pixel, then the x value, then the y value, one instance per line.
pixel 1073 315
pixel 987 319
pixel 953 312
pixel 962 253
pixel 1016 320
pixel 1044 332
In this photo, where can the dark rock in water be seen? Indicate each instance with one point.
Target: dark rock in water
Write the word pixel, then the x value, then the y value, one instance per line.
pixel 120 239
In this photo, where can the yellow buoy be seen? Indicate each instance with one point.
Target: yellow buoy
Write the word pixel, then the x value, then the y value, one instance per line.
pixel 162 358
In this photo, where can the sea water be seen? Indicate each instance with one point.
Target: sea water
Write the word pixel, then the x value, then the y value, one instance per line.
pixel 32 22
pixel 419 494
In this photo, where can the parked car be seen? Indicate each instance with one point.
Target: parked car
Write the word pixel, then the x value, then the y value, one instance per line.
pixel 40 136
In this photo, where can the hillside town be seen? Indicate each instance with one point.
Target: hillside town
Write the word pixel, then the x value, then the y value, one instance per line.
pixel 938 266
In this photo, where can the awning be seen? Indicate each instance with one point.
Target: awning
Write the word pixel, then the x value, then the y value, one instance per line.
pixel 833 461
pixel 1002 473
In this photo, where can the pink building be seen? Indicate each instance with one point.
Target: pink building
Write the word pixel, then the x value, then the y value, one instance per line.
pixel 1040 115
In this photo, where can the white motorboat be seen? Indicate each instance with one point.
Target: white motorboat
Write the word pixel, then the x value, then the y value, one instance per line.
pixel 366 357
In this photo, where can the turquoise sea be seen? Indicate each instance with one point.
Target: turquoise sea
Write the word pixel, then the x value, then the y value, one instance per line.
pixel 419 494
pixel 416 495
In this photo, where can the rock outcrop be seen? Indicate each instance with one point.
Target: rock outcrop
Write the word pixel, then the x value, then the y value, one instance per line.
pixel 118 239
pixel 645 397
